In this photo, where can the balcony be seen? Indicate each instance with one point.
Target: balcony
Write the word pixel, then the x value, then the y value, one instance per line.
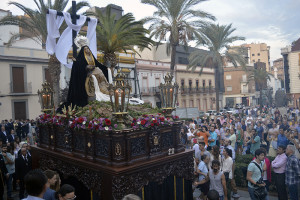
pixel 20 89
pixel 198 90
pixel 149 91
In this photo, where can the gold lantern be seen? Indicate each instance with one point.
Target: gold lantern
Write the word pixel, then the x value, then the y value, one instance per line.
pixel 168 94
pixel 119 92
pixel 46 98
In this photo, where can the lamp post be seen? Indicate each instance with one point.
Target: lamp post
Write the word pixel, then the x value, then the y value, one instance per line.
pixel 119 92
pixel 168 94
pixel 46 98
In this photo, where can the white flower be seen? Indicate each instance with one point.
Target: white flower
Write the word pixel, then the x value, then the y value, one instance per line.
pixel 106 128
pixel 138 122
pixel 95 123
pixel 83 122
pixel 153 118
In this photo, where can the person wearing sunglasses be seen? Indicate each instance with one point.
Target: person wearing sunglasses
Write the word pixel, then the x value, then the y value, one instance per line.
pixel 66 192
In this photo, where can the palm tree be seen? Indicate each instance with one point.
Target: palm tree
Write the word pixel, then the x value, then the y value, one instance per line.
pixel 35 27
pixel 260 77
pixel 116 35
pixel 175 21
pixel 217 39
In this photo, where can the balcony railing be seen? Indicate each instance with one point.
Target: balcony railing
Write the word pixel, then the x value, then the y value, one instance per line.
pixel 26 90
pixel 188 90
pixel 149 90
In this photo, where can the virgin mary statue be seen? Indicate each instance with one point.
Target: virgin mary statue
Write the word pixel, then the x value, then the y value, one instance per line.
pixel 86 67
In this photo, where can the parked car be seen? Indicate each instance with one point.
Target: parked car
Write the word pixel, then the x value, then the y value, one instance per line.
pixel 202 114
pixel 230 110
pixel 222 111
pixel 211 112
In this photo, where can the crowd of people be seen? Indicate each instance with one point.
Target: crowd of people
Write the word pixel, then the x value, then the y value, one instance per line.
pixel 16 139
pixel 260 132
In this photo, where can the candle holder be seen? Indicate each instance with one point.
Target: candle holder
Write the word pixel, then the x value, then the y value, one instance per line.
pixel 168 94
pixel 119 92
pixel 46 98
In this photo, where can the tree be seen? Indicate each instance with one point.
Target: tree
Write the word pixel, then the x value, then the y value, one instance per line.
pixel 217 39
pixel 176 22
pixel 116 35
pixel 35 27
pixel 280 98
pixel 260 77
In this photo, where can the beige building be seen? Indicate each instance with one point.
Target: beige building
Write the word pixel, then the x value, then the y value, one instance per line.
pixel 238 89
pixel 291 57
pixel 259 52
pixel 23 70
pixel 194 90
pixel 278 67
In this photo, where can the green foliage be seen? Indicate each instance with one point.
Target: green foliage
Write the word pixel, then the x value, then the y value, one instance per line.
pixel 176 22
pixel 217 39
pixel 280 98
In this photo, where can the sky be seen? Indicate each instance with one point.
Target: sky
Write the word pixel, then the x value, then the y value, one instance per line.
pixel 274 22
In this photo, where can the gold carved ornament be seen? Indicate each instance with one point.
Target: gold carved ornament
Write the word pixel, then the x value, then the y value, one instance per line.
pixel 118 149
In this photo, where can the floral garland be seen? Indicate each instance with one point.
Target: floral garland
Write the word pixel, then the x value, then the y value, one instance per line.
pixel 104 124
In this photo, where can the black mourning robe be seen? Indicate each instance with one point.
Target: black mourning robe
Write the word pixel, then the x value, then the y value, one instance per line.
pixel 77 94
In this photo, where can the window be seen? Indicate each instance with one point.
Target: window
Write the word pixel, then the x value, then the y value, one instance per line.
pixel 258 60
pixel 145 84
pixel 258 54
pixel 203 83
pixel 244 77
pixel 229 88
pixel 19 109
pixel 197 84
pixel 183 104
pixel 191 103
pixel 182 83
pixel 157 81
pixel 228 77
pixel 209 83
pixel 253 60
pixel 47 76
pixel 198 104
pixel 253 54
pixel 182 60
pixel 18 80
pixel 190 84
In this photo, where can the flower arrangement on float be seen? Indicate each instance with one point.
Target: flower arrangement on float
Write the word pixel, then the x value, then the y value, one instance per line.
pixel 105 124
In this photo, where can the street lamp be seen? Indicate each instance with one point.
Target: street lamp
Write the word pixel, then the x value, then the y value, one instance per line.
pixel 46 97
pixel 168 93
pixel 119 91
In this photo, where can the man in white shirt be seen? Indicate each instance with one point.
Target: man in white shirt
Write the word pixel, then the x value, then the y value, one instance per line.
pixel 36 184
pixel 226 168
pixel 249 119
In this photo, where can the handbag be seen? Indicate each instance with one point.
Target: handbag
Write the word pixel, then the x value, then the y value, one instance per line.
pixel 260 192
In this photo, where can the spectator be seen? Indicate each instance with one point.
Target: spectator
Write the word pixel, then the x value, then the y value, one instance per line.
pixel 232 137
pixel 213 195
pixel 292 172
pixel 23 166
pixel 254 174
pixel 212 139
pixel 217 180
pixel 66 192
pixel 282 139
pixel 50 194
pixel 9 160
pixel 226 168
pixel 4 174
pixel 279 164
pixel 36 184
pixel 202 170
pixel 255 141
pixel 202 151
pixel 56 186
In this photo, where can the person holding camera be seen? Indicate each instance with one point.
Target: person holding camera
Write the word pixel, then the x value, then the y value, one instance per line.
pixel 256 185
